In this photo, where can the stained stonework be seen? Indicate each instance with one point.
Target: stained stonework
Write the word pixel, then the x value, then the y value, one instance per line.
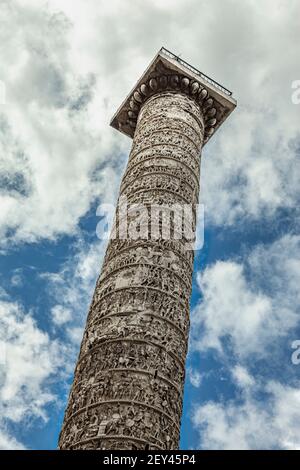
pixel 128 383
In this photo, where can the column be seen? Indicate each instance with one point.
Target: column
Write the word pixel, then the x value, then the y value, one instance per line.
pixel 128 383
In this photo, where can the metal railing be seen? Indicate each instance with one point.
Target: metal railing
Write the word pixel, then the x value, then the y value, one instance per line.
pixel 195 71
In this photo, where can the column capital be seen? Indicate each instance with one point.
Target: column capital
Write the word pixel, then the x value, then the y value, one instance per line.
pixel 168 72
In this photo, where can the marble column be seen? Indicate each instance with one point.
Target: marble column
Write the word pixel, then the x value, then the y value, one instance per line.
pixel 128 382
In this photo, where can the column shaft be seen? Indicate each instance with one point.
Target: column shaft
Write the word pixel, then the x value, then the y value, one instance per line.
pixel 128 383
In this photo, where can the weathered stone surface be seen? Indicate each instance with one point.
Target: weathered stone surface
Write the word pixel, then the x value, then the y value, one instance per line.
pixel 128 384
pixel 168 72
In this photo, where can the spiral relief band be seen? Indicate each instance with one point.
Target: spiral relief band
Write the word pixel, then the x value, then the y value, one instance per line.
pixel 128 382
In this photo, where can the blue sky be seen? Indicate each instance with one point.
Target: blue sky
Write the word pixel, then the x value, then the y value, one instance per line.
pixel 66 69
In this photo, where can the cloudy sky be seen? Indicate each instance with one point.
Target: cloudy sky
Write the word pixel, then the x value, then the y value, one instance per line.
pixel 65 66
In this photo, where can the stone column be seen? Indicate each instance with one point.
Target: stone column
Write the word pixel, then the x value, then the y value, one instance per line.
pixel 129 378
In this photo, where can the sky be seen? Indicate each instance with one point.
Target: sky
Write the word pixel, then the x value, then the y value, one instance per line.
pixel 65 67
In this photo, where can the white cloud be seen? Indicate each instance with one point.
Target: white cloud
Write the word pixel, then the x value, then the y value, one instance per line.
pixel 66 69
pixel 244 173
pixel 68 66
pixel 242 377
pixel 75 334
pixel 254 307
pixel 9 443
pixel 251 423
pixel 286 414
pixel 230 427
pixel 194 377
pixel 252 310
pixel 60 315
pixel 277 268
pixel 72 288
pixel 30 360
pixel 50 147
